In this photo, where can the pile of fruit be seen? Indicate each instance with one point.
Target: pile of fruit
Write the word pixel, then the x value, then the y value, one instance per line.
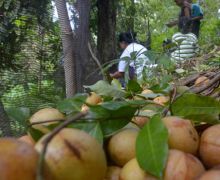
pixel 148 147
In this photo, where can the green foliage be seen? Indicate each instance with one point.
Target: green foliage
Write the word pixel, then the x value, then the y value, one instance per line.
pixel 93 128
pixel 18 119
pixel 103 88
pixel 17 17
pixel 133 86
pixel 32 97
pixel 72 105
pixel 197 108
pixel 152 147
pixel 36 134
pixel 158 13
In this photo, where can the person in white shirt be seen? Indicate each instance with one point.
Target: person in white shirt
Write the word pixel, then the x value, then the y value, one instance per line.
pixel 127 42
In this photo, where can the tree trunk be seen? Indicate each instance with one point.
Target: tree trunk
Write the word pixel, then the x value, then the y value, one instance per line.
pixel 132 16
pixel 81 39
pixel 107 10
pixel 67 41
pixel 4 122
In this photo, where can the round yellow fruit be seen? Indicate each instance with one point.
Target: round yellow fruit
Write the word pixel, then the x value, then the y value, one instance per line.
pixel 161 100
pixel 182 135
pixel 93 99
pixel 203 80
pixel 84 108
pixel 131 125
pixel 213 174
pixel 210 146
pixel 47 114
pixel 74 154
pixel 18 160
pixel 112 173
pixel 27 139
pixel 182 166
pixel 147 91
pixel 121 146
pixel 132 171
pixel 142 120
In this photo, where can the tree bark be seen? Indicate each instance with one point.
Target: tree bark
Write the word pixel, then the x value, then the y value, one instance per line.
pixel 67 41
pixel 107 10
pixel 132 16
pixel 4 122
pixel 81 39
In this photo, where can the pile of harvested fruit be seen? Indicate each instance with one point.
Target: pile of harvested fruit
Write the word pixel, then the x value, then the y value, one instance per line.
pixel 153 143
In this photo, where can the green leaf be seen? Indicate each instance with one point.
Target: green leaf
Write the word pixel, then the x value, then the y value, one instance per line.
pixel 19 114
pixel 150 95
pixel 35 134
pixel 96 132
pixel 146 113
pixel 103 88
pixel 72 105
pixel 113 115
pixel 161 88
pixel 92 128
pixel 133 86
pixel 196 107
pixel 166 62
pixel 152 147
pixel 116 83
pixel 109 127
pixel 112 110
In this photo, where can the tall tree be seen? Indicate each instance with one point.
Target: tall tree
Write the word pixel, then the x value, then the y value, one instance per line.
pixel 107 10
pixel 68 44
pixel 81 39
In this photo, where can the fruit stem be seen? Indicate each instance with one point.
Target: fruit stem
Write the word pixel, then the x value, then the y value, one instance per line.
pixel 47 140
pixel 172 99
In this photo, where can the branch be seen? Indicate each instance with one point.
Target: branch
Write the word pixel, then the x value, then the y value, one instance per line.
pixel 206 86
pixel 172 99
pixel 47 140
pixel 43 122
pixel 94 57
pixel 216 94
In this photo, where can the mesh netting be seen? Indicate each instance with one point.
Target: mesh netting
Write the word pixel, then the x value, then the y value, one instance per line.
pixel 32 91
pixel 38 81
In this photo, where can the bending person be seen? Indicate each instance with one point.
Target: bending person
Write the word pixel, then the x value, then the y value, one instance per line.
pixel 127 43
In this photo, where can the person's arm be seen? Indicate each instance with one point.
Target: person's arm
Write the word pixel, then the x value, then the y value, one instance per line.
pixel 117 75
pixel 187 12
pixel 197 18
pixel 172 23
pixel 121 66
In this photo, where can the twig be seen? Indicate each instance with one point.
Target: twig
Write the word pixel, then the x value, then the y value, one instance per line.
pixel 96 59
pixel 190 79
pixel 47 140
pixel 210 90
pixel 43 122
pixel 216 94
pixel 172 99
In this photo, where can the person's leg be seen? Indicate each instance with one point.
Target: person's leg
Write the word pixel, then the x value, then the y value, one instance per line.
pixel 131 72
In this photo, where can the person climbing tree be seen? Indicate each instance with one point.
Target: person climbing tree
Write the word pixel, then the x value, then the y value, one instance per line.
pixel 127 42
pixel 189 17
